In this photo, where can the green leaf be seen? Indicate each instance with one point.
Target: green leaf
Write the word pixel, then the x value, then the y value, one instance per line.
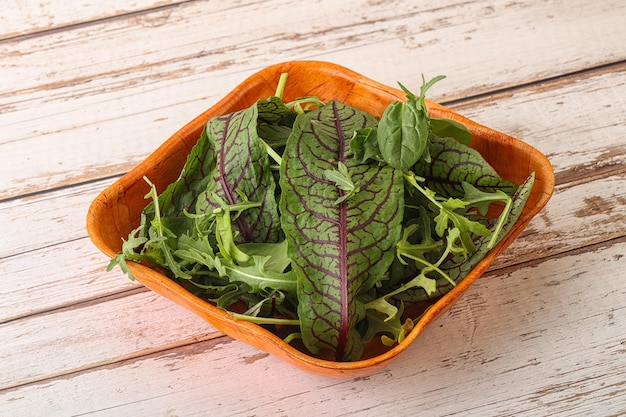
pixel 343 181
pixel 391 331
pixel 264 306
pixel 161 244
pixel 224 295
pixel 338 251
pixel 457 267
pixel 181 195
pixel 198 251
pixel 465 226
pixel 276 252
pixel 482 200
pixel 403 134
pixel 448 128
pixel 242 173
pixel 453 164
pixel 383 306
pixel 404 128
pixel 426 243
pixel 258 277
pixel 364 145
pixel 274 122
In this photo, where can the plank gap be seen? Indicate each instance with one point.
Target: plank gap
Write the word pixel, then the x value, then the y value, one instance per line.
pixel 34 194
pixel 71 26
pixel 86 302
pixel 204 341
pixel 548 83
pixel 571 252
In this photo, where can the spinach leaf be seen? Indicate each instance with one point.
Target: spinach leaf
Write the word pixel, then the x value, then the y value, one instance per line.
pixel 447 128
pixel 181 195
pixel 403 129
pixel 339 251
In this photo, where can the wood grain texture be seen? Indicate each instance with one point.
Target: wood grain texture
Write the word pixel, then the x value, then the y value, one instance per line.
pixel 88 90
pixel 597 208
pixel 176 62
pixel 518 335
pixel 28 17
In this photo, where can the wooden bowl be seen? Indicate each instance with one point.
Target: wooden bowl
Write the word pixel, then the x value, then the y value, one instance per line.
pixel 116 211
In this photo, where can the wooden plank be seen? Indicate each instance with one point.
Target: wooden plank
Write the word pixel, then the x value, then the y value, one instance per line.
pixel 103 332
pixel 575 217
pixel 57 276
pixel 546 119
pixel 550 116
pixel 522 335
pixel 45 263
pixel 542 333
pixel 49 227
pixel 406 27
pixel 172 71
pixel 44 220
pixel 24 17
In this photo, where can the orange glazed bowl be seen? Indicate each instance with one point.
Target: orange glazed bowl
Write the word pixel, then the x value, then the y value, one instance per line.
pixel 117 210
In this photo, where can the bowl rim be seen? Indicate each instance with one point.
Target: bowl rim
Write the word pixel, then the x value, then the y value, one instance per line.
pixel 272 343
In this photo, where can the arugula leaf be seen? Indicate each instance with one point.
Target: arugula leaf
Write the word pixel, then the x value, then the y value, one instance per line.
pixel 259 277
pixel 458 267
pixel 426 244
pixel 364 145
pixel 278 260
pixel 465 226
pixel 392 330
pixel 343 181
pixel 482 200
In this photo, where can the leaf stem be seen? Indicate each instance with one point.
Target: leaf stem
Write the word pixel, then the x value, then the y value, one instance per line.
pixel 292 336
pixel 280 88
pixel 265 320
pixel 431 267
pixel 272 153
pixel 162 241
pixel 503 217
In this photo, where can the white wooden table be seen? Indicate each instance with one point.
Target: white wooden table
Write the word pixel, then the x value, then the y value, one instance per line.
pixel 88 89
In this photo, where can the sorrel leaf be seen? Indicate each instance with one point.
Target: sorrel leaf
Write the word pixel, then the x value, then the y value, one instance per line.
pixel 453 163
pixel 182 194
pixel 339 251
pixel 242 173
pixel 274 121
